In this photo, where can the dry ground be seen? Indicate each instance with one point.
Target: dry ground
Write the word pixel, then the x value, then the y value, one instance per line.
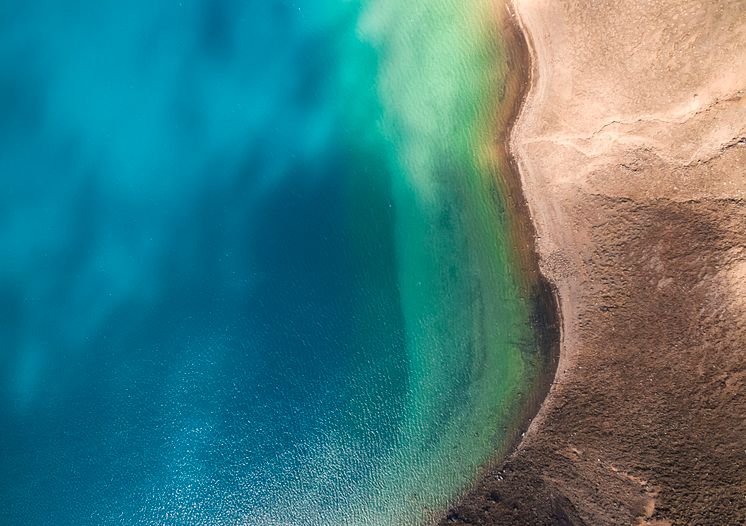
pixel 632 152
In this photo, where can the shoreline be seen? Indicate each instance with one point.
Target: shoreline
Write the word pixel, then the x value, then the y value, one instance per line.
pixel 544 299
pixel 543 296
pixel 629 155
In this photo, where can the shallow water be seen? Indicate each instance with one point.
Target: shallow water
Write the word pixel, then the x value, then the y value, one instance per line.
pixel 255 263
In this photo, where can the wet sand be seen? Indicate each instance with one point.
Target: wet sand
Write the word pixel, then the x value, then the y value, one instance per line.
pixel 631 148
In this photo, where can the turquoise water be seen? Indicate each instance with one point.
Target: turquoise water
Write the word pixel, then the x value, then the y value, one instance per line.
pixel 255 264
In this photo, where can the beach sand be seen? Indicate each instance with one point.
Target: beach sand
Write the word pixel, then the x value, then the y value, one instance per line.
pixel 631 147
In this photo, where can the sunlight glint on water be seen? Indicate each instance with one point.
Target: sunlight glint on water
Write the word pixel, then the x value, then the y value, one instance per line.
pixel 255 268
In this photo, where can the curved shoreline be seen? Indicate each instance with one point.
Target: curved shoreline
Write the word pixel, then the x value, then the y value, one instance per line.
pixel 543 296
pixel 630 156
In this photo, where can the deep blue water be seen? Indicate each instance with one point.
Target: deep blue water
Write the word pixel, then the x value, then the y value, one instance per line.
pixel 200 287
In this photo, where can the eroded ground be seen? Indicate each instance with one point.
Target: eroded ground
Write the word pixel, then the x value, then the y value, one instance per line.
pixel 632 150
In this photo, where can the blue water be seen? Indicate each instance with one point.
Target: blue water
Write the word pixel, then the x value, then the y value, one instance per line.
pixel 201 311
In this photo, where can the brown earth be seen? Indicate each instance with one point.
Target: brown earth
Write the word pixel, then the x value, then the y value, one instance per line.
pixel 631 146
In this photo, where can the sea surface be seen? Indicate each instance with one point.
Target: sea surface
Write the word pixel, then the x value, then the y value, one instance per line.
pixel 255 266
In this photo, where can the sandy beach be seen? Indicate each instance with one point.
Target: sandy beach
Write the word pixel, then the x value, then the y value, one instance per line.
pixel 631 148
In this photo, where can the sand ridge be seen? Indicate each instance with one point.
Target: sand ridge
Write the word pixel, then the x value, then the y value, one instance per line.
pixel 631 146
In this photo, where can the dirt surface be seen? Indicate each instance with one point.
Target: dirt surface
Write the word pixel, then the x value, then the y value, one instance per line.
pixel 631 146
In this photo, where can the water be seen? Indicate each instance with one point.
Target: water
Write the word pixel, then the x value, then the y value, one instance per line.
pixel 255 266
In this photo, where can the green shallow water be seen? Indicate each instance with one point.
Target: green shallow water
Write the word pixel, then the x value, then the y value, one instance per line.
pixel 257 263
pixel 472 355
